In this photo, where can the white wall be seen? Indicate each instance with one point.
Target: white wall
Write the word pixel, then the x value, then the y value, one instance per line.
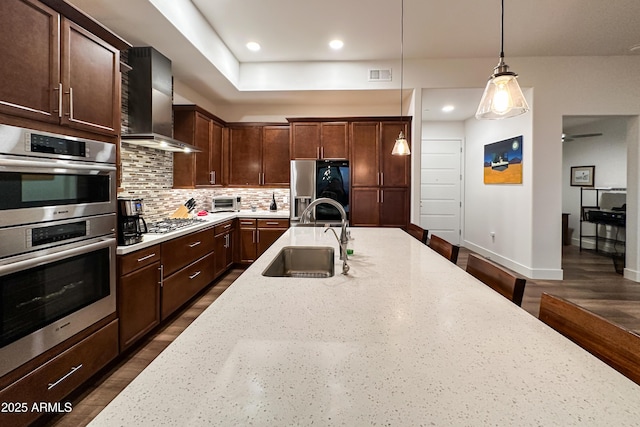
pixel 501 209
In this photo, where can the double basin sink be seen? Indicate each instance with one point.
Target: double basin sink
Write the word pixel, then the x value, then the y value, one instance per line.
pixel 302 262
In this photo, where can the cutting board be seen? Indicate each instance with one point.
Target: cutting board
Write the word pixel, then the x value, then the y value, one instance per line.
pixel 181 212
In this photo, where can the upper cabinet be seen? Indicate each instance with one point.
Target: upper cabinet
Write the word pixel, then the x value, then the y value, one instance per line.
pixel 259 155
pixel 319 139
pixel 59 72
pixel 197 127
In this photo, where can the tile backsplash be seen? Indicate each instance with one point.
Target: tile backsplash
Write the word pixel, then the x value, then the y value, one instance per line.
pixel 147 173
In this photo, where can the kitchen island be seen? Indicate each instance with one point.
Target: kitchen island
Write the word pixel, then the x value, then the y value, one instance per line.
pixel 407 338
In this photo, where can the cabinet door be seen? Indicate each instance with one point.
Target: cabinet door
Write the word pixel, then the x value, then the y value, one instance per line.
pixel 248 249
pixel 215 153
pixel 365 208
pixel 138 303
pixel 90 72
pixel 30 65
pixel 334 140
pixel 224 252
pixel 305 140
pixel 394 207
pixel 364 154
pixel 202 140
pixel 395 170
pixel 266 237
pixel 245 158
pixel 275 155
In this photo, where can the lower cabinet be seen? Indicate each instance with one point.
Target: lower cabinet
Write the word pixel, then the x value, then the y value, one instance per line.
pixel 184 284
pixel 50 383
pixel 257 235
pixel 224 234
pixel 138 294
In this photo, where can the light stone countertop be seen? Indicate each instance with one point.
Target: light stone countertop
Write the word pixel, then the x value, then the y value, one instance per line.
pixel 212 219
pixel 407 338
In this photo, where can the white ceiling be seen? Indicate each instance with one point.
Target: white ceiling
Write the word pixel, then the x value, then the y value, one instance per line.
pixel 298 30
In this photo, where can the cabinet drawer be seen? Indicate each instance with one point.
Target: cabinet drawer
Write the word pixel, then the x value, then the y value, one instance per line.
pixel 181 286
pixel 247 223
pixel 273 223
pixel 138 259
pixel 223 228
pixel 180 252
pixel 54 380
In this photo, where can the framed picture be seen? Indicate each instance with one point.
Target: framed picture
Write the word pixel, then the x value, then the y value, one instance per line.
pixel 503 162
pixel 582 176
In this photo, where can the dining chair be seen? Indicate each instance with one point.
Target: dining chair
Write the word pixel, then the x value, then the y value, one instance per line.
pixel 615 345
pixel 497 278
pixel 418 232
pixel 444 248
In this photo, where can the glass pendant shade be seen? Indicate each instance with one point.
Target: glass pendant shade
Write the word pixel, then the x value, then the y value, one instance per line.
pixel 401 147
pixel 502 98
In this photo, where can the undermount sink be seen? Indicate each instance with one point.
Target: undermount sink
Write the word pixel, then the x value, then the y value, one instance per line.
pixel 302 261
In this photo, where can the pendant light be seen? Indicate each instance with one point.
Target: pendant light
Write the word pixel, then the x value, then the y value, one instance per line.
pixel 502 97
pixel 401 146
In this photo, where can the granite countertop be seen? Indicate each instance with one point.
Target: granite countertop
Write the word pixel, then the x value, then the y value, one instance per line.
pixel 210 220
pixel 407 338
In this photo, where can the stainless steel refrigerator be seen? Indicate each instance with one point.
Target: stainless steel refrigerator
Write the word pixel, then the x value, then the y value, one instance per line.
pixel 311 179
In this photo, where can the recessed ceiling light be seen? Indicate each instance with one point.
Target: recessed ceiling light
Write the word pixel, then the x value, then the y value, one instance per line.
pixel 336 44
pixel 253 46
pixel 448 108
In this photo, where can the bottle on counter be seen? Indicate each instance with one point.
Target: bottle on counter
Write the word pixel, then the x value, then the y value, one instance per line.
pixel 273 207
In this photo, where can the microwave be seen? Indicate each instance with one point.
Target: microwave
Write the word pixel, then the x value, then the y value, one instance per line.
pixel 225 204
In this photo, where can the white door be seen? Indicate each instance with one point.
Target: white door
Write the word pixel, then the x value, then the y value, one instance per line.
pixel 440 188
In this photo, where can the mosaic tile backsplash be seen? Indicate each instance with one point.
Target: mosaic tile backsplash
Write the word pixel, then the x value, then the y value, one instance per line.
pixel 148 174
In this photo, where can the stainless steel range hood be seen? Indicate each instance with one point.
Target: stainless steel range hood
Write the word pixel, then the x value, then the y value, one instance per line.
pixel 150 102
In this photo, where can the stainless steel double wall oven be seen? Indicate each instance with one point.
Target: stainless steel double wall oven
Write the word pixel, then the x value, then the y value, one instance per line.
pixel 57 239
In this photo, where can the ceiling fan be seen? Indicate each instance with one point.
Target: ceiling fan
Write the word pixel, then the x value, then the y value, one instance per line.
pixel 567 137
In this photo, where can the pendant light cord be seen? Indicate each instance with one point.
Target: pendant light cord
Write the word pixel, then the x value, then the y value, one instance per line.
pixel 502 31
pixel 402 52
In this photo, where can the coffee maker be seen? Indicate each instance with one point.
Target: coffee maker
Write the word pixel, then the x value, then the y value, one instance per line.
pixel 131 225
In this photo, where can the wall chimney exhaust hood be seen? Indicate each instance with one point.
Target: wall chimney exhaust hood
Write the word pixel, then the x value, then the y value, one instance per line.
pixel 150 102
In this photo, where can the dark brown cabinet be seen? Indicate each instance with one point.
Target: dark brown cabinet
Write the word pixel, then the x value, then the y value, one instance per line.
pixel 138 294
pixel 205 131
pixel 256 236
pixel 319 140
pixel 259 155
pixel 380 181
pixel 58 72
pixel 224 235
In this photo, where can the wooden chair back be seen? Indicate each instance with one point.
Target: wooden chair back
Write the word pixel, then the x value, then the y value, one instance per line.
pixel 615 345
pixel 444 248
pixel 418 232
pixel 497 278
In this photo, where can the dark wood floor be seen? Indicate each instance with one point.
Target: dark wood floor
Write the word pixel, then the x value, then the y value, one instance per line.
pixel 589 280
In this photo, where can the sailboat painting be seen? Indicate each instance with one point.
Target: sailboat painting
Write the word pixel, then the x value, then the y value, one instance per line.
pixel 503 162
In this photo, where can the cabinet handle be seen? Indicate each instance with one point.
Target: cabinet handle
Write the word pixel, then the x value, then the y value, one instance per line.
pixel 317 152
pixel 193 245
pixel 272 223
pixel 246 223
pixel 253 236
pixel 212 177
pixel 377 196
pixel 322 152
pixel 227 226
pixel 70 113
pixel 59 90
pixel 381 196
pixel 381 178
pixel 161 270
pixel 194 275
pixel 258 234
pixel 378 178
pixel 73 369
pixel 146 257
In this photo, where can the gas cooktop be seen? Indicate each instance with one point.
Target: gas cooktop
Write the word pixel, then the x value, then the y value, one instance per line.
pixel 172 224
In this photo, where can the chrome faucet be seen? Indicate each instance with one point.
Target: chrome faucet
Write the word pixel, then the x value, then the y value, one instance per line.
pixel 343 250
pixel 306 214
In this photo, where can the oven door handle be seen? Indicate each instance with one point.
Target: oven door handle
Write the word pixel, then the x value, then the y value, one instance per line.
pixel 56 256
pixel 55 165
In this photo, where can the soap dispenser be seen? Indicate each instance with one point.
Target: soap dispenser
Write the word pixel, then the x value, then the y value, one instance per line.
pixel 273 207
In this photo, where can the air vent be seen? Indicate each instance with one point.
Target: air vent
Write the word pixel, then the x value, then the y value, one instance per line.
pixel 380 75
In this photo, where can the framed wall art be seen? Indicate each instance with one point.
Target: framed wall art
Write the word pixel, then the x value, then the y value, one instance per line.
pixel 582 176
pixel 503 162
